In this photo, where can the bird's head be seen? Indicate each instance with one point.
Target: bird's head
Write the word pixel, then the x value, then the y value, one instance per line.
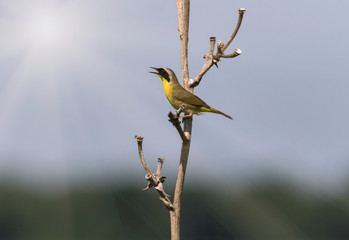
pixel 165 74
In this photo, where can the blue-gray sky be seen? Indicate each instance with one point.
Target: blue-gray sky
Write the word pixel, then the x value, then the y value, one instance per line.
pixel 75 89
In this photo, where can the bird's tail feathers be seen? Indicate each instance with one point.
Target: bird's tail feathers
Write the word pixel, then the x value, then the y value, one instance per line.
pixel 219 112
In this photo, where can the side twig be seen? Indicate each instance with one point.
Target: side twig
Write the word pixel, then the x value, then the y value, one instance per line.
pixel 154 179
pixel 173 118
pixel 212 58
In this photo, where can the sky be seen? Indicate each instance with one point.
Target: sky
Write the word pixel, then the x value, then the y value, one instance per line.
pixel 75 89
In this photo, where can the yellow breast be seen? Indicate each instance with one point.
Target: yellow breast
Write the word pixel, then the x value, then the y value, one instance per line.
pixel 167 87
pixel 168 92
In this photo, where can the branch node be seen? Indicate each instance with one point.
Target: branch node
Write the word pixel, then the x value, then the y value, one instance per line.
pixel 212 59
pixel 148 176
pixel 160 163
pixel 236 53
pixel 145 189
pixel 220 46
pixel 212 44
pixel 242 10
pixel 191 81
pixel 154 179
pixel 139 138
pixel 173 118
pixel 162 179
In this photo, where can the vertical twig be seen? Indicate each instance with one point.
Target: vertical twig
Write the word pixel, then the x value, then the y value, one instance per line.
pixel 183 7
pixel 183 29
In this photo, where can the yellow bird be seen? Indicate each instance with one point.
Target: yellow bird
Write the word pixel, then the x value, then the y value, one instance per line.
pixel 178 96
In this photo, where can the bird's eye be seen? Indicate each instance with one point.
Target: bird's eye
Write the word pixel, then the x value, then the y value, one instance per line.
pixel 164 73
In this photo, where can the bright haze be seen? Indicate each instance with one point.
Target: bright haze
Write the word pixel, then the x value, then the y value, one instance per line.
pixel 75 89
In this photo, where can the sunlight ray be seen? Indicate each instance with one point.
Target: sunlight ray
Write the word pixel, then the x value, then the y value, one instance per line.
pixel 12 95
pixel 63 79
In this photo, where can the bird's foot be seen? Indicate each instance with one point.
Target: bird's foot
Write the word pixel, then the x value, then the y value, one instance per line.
pixel 185 117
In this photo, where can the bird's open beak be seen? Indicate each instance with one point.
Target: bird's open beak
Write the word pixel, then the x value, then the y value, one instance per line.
pixel 157 69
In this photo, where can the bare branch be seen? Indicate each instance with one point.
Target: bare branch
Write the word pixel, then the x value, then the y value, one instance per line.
pixel 140 152
pixel 212 44
pixel 236 53
pixel 160 163
pixel 221 47
pixel 183 28
pixel 238 24
pixel 154 179
pixel 183 21
pixel 180 15
pixel 174 120
pixel 205 68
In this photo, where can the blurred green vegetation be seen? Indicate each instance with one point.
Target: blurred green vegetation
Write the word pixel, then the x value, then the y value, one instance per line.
pixel 260 212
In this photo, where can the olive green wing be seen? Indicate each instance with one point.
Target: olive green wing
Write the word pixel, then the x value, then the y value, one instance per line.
pixel 189 98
